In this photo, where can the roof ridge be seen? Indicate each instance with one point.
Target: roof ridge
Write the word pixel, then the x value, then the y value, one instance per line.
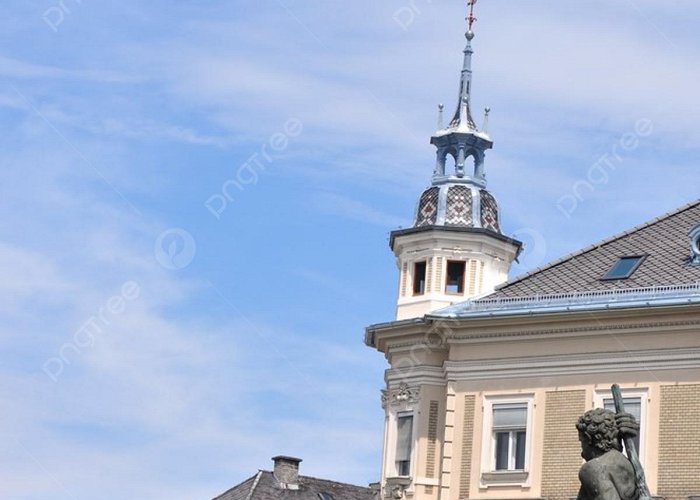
pixel 303 476
pixel 599 244
pixel 255 485
pixel 253 477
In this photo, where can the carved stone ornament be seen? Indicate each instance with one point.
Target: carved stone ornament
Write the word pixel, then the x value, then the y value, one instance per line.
pixel 400 396
pixel 396 487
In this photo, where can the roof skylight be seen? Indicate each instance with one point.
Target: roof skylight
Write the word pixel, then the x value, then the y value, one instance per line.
pixel 624 267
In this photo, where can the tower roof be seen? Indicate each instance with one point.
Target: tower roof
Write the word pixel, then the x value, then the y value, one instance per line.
pixel 459 198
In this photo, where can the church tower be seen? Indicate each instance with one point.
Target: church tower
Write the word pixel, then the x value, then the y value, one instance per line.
pixel 455 249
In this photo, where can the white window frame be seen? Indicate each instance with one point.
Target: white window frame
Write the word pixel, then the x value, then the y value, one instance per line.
pixel 391 466
pixel 637 392
pixel 488 441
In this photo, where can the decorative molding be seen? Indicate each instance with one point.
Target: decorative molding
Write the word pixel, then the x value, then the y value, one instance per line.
pixel 574 364
pixel 535 333
pixel 549 365
pixel 402 395
pixel 416 376
pixel 396 487
pixel 598 329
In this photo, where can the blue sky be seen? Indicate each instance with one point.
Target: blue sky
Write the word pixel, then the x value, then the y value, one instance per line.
pixel 137 363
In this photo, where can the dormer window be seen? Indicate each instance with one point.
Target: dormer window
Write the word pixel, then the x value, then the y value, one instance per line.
pixel 695 246
pixel 624 267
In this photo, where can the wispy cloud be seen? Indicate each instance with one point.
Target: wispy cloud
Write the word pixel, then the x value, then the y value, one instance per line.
pixel 192 387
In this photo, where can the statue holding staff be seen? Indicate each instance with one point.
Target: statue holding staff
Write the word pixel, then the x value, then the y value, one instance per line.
pixel 608 474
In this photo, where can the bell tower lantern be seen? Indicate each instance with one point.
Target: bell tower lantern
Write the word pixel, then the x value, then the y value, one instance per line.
pixel 455 249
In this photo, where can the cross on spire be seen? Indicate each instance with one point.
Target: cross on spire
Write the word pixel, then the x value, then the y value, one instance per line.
pixel 462 139
pixel 471 19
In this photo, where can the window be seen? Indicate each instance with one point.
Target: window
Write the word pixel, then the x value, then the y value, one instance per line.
pixel 635 404
pixel 455 277
pixel 325 496
pixel 624 267
pixel 509 436
pixel 404 444
pixel 507 440
pixel 419 278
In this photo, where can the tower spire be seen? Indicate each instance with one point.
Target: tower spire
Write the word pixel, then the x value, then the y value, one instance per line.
pixel 457 220
pixel 463 118
pixel 462 139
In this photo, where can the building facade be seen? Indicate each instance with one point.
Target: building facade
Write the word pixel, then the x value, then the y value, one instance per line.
pixel 488 377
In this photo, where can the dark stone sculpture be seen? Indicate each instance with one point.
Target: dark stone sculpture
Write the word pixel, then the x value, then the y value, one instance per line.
pixel 607 473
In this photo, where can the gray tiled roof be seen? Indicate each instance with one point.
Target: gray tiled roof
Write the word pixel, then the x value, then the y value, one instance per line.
pixel 266 488
pixel 664 240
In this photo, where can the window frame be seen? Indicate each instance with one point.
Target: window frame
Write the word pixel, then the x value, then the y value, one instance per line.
pixel 608 276
pixel 489 475
pixel 394 467
pixel 462 284
pixel 637 392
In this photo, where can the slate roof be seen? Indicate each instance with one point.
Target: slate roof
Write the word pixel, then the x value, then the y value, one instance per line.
pixel 264 486
pixel 664 240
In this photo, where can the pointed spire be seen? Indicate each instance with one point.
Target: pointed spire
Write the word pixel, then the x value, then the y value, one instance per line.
pixel 463 117
pixel 462 140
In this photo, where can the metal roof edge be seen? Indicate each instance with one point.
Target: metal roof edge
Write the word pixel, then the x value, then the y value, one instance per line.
pixel 453 229
pixel 582 301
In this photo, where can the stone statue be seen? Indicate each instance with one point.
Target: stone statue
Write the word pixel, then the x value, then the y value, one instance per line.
pixel 607 473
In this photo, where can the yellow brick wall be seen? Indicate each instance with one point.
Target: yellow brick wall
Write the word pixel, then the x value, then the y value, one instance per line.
pixel 467 438
pixel 432 444
pixel 679 442
pixel 561 458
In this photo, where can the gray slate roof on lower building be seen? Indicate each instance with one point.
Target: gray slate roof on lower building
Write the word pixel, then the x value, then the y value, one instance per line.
pixel 264 486
pixel 664 241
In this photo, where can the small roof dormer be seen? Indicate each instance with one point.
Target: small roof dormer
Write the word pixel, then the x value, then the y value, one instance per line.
pixel 695 246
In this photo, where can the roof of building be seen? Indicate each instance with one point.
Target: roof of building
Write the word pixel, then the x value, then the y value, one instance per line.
pixel 264 486
pixel 664 242
pixel 457 196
